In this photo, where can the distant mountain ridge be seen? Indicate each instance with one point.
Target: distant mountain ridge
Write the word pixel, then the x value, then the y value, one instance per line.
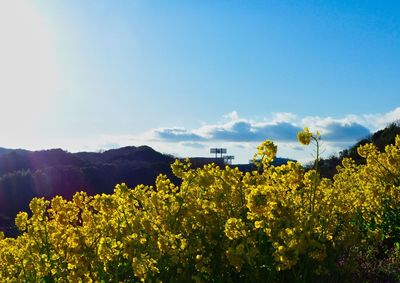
pixel 26 174
pixel 142 153
pixel 4 150
pixel 20 159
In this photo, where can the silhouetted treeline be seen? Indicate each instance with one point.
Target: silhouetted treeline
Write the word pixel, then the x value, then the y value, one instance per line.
pixel 381 138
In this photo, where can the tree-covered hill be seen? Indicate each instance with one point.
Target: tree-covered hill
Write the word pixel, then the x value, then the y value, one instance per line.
pixel 26 174
pixel 380 139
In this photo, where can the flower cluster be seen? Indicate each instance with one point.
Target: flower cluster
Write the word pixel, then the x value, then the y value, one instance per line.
pixel 219 224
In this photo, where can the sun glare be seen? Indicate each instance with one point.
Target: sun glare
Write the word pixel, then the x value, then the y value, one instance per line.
pixel 27 67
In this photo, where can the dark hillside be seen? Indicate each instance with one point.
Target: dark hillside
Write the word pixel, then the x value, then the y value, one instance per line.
pixel 16 160
pixel 129 153
pixel 27 174
pixel 380 138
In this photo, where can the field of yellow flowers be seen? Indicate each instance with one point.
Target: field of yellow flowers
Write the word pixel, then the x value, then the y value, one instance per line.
pixel 275 224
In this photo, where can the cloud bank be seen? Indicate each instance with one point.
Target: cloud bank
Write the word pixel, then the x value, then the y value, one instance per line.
pixel 281 127
pixel 241 136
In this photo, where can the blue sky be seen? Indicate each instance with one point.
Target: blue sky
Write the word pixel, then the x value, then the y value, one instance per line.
pixel 183 76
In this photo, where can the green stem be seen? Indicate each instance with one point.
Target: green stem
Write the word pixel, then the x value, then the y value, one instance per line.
pixel 314 188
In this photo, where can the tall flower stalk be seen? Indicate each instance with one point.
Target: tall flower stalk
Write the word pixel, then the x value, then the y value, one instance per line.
pixel 305 137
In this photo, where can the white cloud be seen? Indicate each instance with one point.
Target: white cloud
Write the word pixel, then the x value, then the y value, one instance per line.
pixel 243 135
pixel 232 116
pixel 284 117
pixel 379 121
pixel 281 128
